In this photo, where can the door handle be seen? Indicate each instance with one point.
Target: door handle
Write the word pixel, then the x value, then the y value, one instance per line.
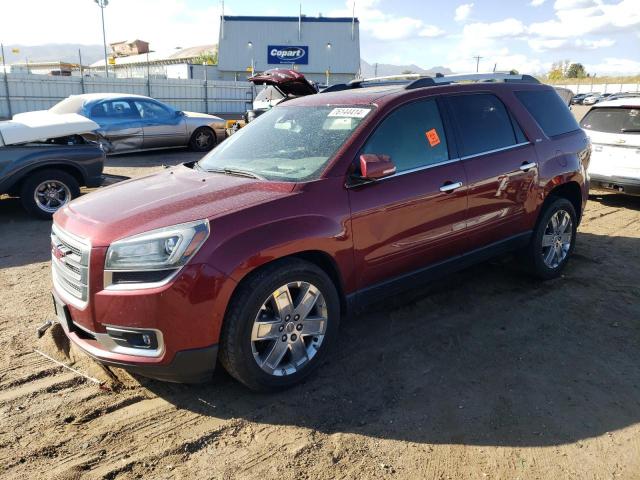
pixel 526 166
pixel 450 186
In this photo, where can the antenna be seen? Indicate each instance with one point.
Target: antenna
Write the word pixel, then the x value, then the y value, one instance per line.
pixel 222 22
pixel 353 21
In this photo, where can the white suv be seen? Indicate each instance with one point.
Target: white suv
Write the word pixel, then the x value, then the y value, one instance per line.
pixel 614 129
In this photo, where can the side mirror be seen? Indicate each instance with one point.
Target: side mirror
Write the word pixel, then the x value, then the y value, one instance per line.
pixel 179 113
pixel 375 167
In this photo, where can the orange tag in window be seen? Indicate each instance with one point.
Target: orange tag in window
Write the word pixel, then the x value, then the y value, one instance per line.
pixel 432 137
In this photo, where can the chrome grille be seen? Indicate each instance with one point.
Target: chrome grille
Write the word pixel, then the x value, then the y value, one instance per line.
pixel 70 264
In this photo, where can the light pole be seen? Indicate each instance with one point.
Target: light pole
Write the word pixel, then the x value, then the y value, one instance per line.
pixel 103 4
pixel 328 62
pixel 250 47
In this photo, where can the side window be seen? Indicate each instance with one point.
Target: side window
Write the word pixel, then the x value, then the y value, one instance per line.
pixel 483 122
pixel 412 135
pixel 151 110
pixel 99 110
pixel 121 109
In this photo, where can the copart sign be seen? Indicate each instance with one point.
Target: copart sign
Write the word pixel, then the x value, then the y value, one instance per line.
pixel 287 54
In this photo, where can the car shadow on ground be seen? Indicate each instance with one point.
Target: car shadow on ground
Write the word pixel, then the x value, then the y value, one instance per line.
pixel 23 238
pixel 615 200
pixel 487 356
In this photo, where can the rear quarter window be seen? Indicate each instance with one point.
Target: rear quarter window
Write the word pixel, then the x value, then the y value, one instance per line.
pixel 549 110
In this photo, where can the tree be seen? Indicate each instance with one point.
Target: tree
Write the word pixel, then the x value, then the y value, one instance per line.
pixel 207 57
pixel 576 70
pixel 407 72
pixel 558 70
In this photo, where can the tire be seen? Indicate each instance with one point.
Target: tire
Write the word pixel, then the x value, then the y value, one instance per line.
pixel 247 360
pixel 202 139
pixel 38 185
pixel 548 261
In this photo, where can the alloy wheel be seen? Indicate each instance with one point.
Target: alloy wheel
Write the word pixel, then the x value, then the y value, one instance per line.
pixel 203 139
pixel 556 239
pixel 50 195
pixel 289 328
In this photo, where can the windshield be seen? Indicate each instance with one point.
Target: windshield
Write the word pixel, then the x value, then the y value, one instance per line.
pixel 73 104
pixel 287 143
pixel 613 120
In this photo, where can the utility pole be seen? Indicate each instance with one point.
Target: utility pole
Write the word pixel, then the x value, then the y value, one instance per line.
pixel 477 57
pixel 375 70
pixel 103 4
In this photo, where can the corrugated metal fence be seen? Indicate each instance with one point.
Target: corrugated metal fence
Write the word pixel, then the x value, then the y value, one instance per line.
pixel 29 92
pixel 588 87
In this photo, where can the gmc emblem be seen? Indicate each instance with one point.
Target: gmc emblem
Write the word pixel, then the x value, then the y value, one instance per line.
pixel 59 252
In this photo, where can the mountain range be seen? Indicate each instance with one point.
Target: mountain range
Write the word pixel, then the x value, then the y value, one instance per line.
pixel 68 52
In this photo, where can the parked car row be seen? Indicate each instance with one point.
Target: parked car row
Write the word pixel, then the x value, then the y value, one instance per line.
pixel 595 97
pixel 323 204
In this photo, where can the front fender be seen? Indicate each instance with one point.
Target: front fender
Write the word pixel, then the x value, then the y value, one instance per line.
pixel 240 254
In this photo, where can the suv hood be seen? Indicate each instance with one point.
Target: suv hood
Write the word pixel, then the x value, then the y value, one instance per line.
pixel 289 82
pixel 33 126
pixel 170 197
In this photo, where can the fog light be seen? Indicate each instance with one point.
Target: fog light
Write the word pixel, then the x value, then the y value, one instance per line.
pixel 134 338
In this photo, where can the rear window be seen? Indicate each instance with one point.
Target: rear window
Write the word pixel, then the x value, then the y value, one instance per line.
pixel 551 113
pixel 72 104
pixel 613 120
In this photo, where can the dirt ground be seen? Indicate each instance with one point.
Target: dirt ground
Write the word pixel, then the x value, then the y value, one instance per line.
pixel 486 374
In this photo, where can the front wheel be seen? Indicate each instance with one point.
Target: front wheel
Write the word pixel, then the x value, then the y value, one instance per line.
pixel 46 191
pixel 203 139
pixel 280 325
pixel 553 240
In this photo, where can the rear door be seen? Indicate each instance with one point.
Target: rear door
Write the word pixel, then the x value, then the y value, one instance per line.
pixel 500 165
pixel 161 126
pixel 417 216
pixel 120 124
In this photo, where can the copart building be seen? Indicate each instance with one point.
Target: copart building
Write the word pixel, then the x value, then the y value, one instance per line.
pixel 326 50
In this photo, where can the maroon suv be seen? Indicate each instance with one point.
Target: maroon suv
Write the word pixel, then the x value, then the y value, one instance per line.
pixel 253 254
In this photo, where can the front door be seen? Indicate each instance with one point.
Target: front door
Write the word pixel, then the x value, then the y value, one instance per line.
pixel 161 126
pixel 500 165
pixel 417 216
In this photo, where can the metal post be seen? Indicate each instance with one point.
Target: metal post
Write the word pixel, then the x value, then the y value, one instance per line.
pixel 206 88
pixel 81 71
pixel 148 79
pixel 102 4
pixel 6 81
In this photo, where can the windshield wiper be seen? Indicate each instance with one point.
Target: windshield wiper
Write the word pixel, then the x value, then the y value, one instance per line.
pixel 236 172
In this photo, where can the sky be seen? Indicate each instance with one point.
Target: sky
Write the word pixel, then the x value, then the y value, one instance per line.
pixel 527 35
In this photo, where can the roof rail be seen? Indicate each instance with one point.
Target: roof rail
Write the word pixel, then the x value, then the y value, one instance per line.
pixel 472 77
pixel 416 80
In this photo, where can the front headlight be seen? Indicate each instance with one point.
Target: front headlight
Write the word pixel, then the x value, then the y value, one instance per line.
pixel 153 256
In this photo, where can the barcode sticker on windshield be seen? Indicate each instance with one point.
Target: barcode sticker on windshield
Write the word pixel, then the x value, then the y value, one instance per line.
pixel 349 112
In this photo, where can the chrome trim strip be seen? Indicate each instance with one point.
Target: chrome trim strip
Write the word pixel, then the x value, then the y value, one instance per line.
pixel 488 152
pixel 433 165
pixel 71 276
pixel 109 285
pixel 105 340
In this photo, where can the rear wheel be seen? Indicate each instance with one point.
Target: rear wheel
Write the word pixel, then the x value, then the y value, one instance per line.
pixel 553 240
pixel 46 191
pixel 280 325
pixel 203 139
